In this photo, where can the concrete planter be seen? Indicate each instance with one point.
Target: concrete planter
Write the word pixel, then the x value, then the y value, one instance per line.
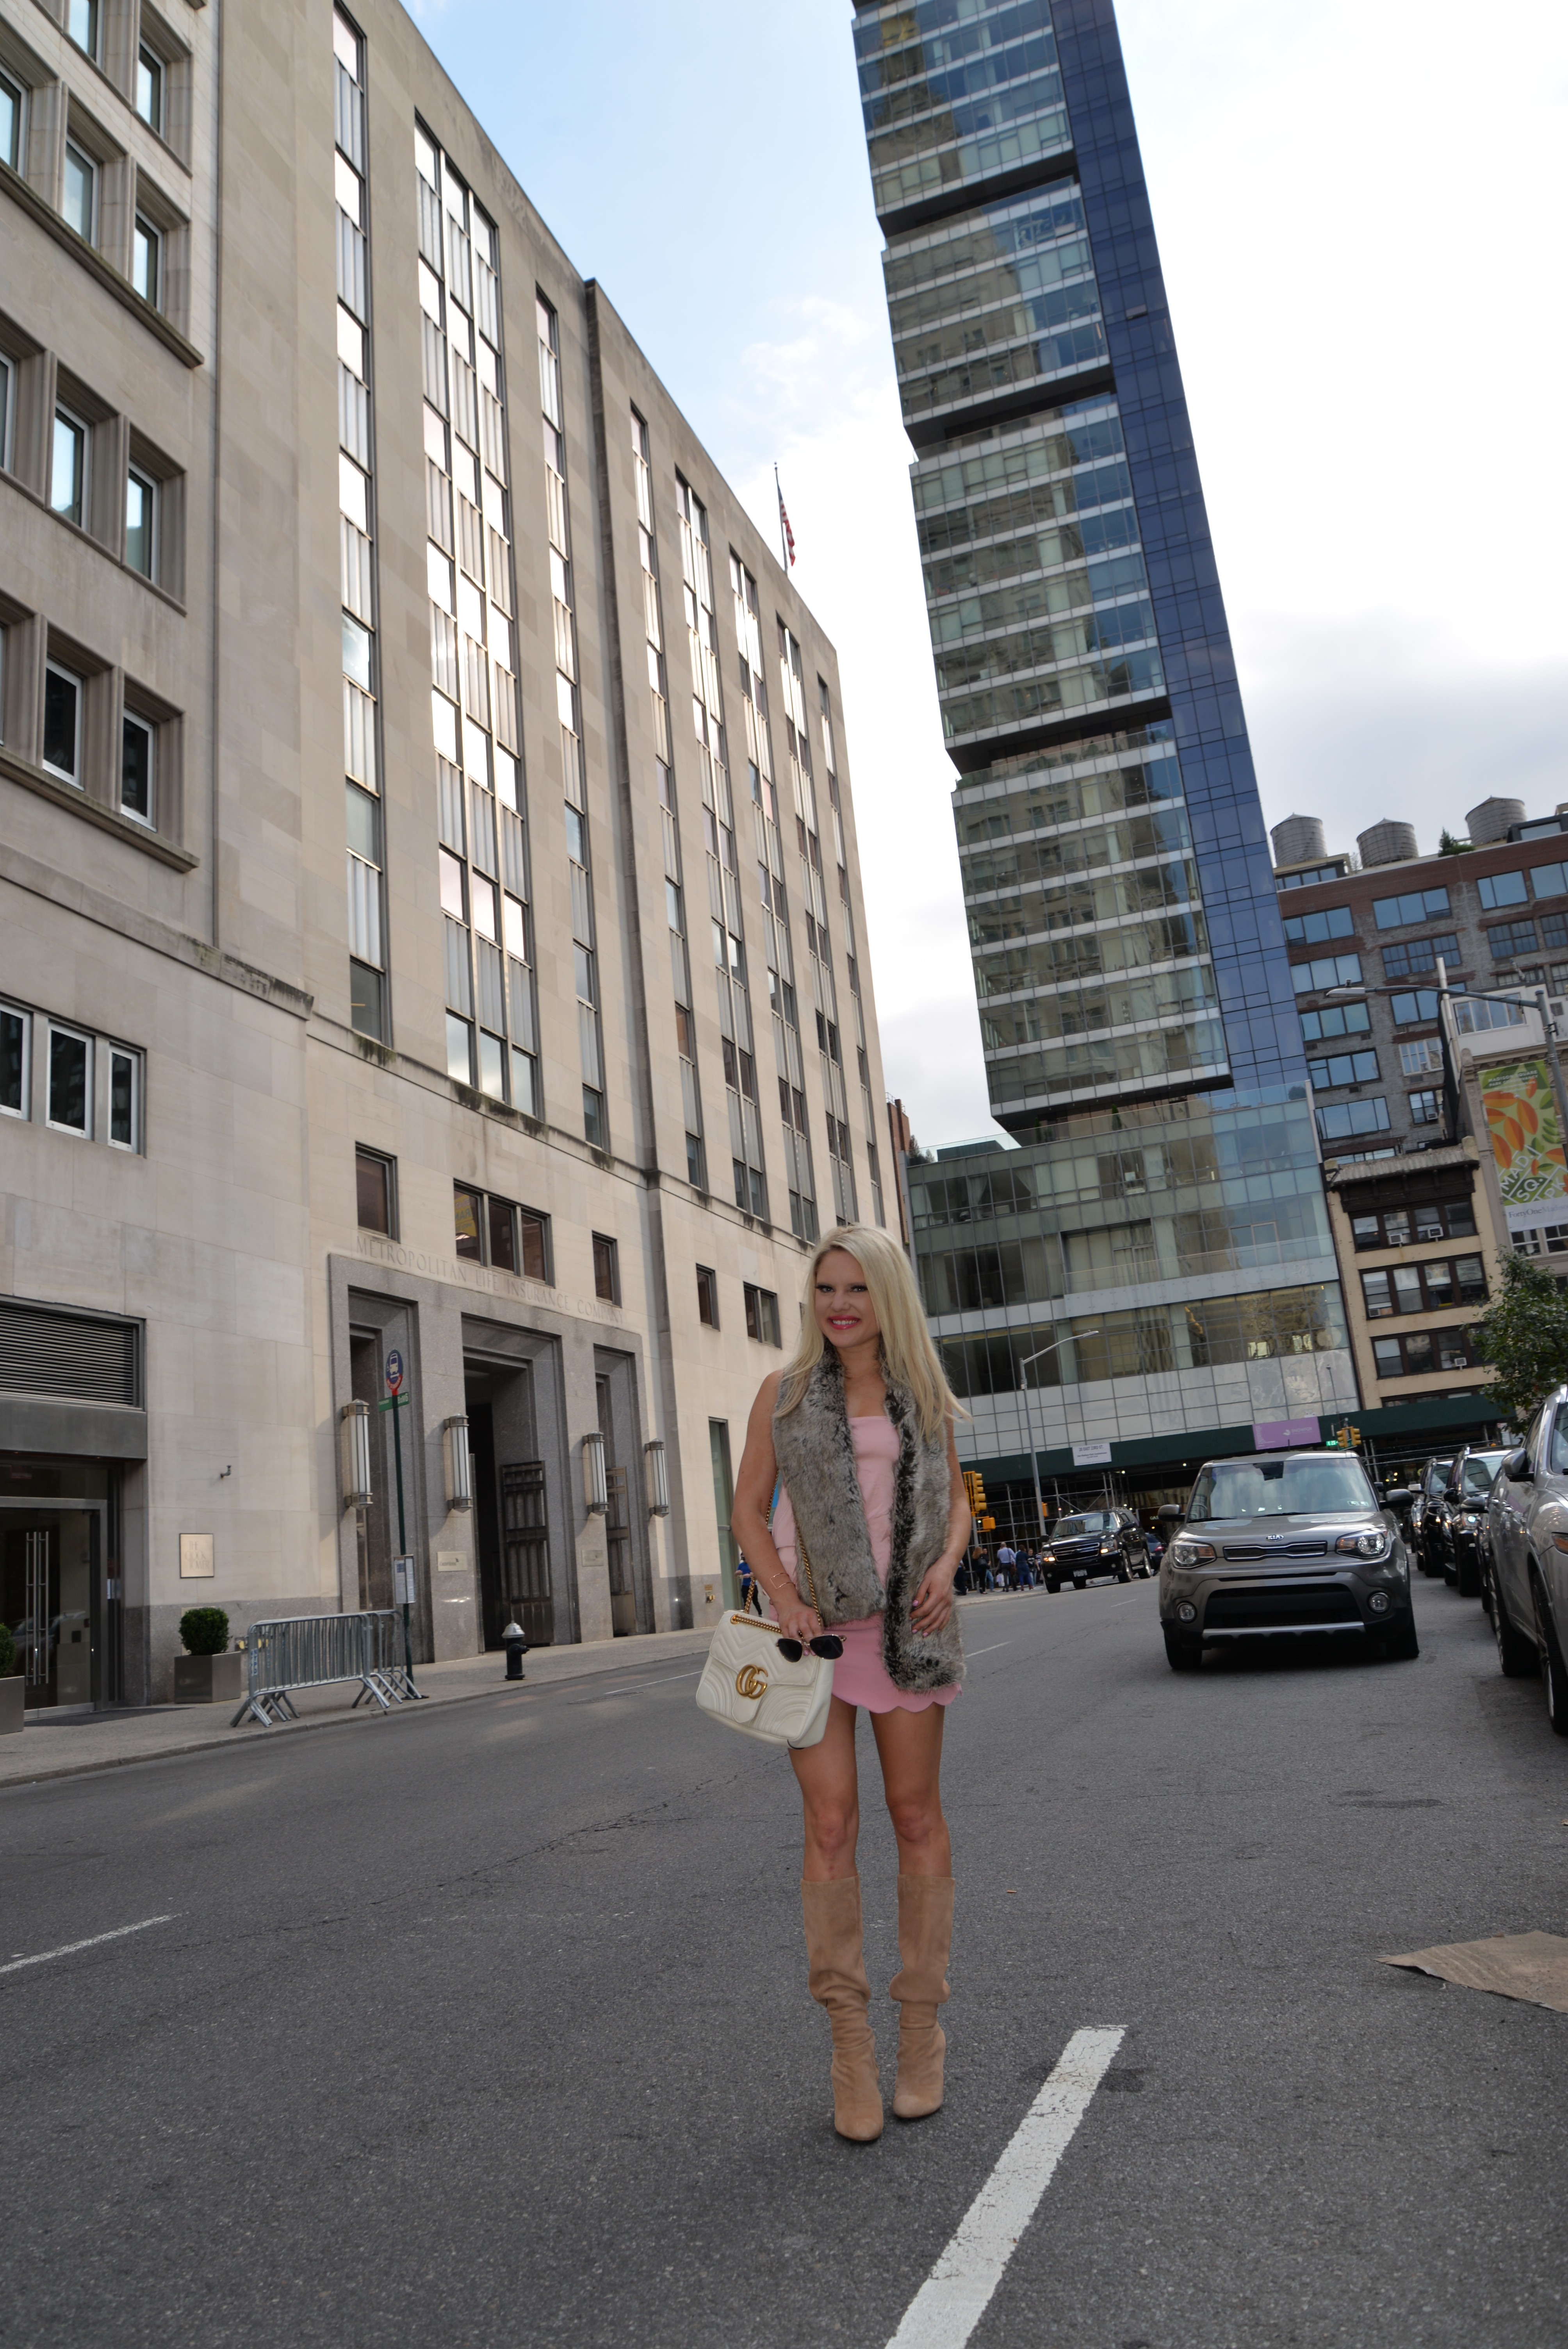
pixel 208 1679
pixel 12 1691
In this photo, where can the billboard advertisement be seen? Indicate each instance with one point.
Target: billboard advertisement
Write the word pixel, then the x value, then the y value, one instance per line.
pixel 1523 1127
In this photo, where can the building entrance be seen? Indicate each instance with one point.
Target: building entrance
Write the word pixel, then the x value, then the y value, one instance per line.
pixel 51 1598
pixel 511 1509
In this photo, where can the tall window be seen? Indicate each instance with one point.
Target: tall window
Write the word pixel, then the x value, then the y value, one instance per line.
pixel 590 1028
pixel 62 723
pixel 373 1175
pixel 368 1006
pixel 124 1099
pixel 81 192
pixel 606 1270
pixel 71 1079
pixel 491 1025
pixel 69 467
pixel 139 741
pixel 707 1296
pixel 146 260
pixel 10 123
pixel 149 87
pixel 141 523
pixel 82 24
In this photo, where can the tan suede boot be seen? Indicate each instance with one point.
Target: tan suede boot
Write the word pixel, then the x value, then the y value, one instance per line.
pixel 834 1948
pixel 924 1937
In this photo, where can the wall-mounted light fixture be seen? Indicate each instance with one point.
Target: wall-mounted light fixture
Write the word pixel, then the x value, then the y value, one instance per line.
pixel 455 1444
pixel 595 1488
pixel 354 1455
pixel 657 1478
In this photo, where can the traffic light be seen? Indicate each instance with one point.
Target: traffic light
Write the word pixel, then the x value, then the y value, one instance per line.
pixel 987 1525
pixel 974 1485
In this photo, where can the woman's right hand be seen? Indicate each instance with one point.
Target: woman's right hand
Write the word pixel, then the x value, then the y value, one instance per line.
pixel 798 1621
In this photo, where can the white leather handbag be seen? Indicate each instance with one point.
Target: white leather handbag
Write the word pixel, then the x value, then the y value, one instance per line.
pixel 749 1685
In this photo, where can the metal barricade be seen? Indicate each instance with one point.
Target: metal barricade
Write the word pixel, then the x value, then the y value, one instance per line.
pixel 388 1669
pixel 308 1651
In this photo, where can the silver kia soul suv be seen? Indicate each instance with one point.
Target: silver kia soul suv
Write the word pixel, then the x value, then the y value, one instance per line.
pixel 1284 1545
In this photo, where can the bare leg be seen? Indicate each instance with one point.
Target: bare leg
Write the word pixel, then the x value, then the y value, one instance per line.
pixel 831 1791
pixel 910 1747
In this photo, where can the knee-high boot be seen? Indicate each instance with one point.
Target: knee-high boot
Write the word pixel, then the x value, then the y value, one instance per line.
pixel 834 1949
pixel 924 1937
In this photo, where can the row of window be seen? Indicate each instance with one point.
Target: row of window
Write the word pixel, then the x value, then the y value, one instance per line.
pixel 1452 1219
pixel 1421 1352
pixel 103 475
pixel 761 1307
pixel 72 160
pixel 1421 1057
pixel 1496 890
pixel 65 1078
pixel 1424 1288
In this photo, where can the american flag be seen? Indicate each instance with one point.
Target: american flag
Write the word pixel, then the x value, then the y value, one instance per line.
pixel 784 525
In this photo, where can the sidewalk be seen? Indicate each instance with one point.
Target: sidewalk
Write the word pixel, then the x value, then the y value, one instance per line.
pixel 60 1746
pixel 63 1744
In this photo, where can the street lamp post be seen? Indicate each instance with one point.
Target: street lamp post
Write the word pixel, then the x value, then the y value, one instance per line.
pixel 1028 1410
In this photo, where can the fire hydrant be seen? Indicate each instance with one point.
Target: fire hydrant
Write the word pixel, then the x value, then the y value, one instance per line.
pixel 514 1639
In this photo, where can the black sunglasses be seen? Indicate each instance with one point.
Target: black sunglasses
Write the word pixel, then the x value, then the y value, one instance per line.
pixel 825 1645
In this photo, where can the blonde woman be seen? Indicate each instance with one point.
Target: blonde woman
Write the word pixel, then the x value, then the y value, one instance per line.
pixel 861 1553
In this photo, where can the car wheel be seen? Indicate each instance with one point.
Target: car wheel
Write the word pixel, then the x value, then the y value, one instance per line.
pixel 1551 1671
pixel 1517 1655
pixel 1183 1655
pixel 1467 1572
pixel 1401 1646
pixel 1124 1572
pixel 1051 1587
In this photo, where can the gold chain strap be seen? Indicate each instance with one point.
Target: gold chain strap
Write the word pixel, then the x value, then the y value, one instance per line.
pixel 810 1577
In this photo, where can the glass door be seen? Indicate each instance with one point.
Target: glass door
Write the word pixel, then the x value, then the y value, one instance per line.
pixel 51 1601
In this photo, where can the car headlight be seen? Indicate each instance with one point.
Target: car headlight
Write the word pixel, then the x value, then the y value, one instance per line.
pixel 1368 1545
pixel 1048 1557
pixel 1187 1552
pixel 1107 1550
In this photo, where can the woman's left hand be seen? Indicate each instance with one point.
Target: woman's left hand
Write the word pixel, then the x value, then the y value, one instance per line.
pixel 934 1600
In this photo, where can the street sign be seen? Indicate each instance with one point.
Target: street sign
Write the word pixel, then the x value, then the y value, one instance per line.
pixel 394 1371
pixel 403 1582
pixel 1091 1455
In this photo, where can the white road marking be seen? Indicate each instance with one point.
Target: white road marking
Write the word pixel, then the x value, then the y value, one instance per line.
pixel 91 1942
pixel 990 1651
pixel 953 2299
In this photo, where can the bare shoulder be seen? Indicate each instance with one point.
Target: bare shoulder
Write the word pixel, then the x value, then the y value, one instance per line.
pixel 768 1393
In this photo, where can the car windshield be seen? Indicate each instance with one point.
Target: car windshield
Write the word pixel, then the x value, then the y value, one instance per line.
pixel 1438 1475
pixel 1280 1488
pixel 1094 1521
pixel 1481 1467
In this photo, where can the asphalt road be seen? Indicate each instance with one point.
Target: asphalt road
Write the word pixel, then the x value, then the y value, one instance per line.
pixel 488 2025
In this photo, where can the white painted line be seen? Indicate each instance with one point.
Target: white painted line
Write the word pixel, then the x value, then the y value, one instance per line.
pixel 990 1651
pixel 92 1942
pixel 953 2299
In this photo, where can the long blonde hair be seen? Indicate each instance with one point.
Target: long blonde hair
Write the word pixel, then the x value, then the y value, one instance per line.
pixel 910 1357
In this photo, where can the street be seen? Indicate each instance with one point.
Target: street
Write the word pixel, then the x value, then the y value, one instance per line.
pixel 487 2024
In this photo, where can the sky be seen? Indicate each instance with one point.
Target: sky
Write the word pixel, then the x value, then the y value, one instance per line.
pixel 1358 204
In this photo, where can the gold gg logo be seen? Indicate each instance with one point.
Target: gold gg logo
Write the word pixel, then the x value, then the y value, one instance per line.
pixel 750 1681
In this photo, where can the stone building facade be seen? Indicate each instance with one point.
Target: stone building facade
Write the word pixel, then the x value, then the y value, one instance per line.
pixel 432 915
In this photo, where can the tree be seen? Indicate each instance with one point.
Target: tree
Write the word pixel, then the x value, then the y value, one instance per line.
pixel 1448 847
pixel 1524 1334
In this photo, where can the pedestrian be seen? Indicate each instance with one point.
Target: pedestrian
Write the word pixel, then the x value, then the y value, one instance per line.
pixel 990 1577
pixel 872 1520
pixel 1006 1559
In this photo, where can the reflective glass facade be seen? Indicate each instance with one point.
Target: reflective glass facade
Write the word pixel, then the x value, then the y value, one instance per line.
pixel 1125 928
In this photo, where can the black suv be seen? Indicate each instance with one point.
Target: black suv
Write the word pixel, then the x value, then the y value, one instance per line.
pixel 1421 1528
pixel 1094 1544
pixel 1459 1520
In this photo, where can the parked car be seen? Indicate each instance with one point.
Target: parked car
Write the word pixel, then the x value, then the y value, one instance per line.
pixel 1461 1523
pixel 1527 1556
pixel 1096 1543
pixel 1428 1499
pixel 1284 1544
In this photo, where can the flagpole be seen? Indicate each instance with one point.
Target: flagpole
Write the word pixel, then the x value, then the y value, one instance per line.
pixel 783 543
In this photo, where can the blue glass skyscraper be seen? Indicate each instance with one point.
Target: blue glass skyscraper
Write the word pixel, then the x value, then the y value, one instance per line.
pixel 1164 1207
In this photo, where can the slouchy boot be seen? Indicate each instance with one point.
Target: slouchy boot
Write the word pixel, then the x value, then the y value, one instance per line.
pixel 924 1937
pixel 838 1981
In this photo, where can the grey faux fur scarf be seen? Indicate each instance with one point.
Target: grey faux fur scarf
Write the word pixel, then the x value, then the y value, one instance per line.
pixel 816 1458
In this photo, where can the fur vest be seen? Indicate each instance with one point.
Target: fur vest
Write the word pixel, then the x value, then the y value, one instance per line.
pixel 816 1457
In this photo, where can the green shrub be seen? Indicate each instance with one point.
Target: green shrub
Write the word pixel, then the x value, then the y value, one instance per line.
pixel 204 1630
pixel 8 1652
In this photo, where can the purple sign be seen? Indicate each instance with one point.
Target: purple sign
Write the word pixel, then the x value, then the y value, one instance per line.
pixel 1282 1435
